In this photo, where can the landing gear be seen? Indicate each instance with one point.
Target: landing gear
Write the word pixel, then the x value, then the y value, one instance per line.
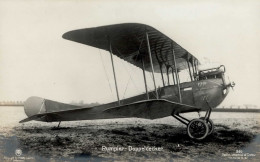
pixel 210 125
pixel 198 128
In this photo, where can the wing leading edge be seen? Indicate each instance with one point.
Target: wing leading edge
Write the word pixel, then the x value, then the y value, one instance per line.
pixel 128 42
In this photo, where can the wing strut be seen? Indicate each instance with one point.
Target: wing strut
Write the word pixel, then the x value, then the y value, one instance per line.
pixel 110 50
pixel 162 74
pixel 151 61
pixel 173 78
pixel 177 74
pixel 145 79
pixel 193 67
pixel 167 72
pixel 189 69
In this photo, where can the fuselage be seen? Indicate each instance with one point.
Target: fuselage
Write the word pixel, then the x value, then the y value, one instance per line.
pixel 195 93
pixel 208 90
pixel 204 92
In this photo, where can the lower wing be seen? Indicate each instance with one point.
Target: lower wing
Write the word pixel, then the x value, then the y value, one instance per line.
pixel 148 109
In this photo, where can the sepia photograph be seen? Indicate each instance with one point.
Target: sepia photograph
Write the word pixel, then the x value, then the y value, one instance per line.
pixel 117 80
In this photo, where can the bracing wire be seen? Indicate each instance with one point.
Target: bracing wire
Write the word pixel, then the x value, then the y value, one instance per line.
pixel 150 88
pixel 128 72
pixel 186 70
pixel 105 72
pixel 130 76
pixel 126 87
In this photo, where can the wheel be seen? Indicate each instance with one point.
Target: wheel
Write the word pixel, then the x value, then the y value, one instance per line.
pixel 210 125
pixel 197 129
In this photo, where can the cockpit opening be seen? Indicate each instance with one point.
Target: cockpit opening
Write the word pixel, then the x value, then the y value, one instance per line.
pixel 211 73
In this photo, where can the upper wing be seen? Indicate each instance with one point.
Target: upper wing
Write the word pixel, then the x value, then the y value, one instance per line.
pixel 128 42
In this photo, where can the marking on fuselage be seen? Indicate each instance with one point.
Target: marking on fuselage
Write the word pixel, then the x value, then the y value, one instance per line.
pixel 215 82
pixel 166 96
pixel 187 89
pixel 206 88
pixel 201 84
pixel 205 98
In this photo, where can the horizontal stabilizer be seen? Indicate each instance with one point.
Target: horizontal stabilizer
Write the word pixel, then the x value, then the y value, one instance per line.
pixel 34 117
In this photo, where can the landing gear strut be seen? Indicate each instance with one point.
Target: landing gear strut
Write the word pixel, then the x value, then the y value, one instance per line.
pixel 59 124
pixel 198 128
pixel 208 120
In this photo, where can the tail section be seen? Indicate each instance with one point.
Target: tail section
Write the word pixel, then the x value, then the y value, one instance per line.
pixel 36 107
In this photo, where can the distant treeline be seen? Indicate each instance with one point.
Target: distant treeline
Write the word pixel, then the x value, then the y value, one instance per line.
pixel 236 110
pixel 11 103
pixel 21 103
pixel 81 103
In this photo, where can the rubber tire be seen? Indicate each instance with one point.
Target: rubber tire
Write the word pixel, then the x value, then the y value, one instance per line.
pixel 206 127
pixel 210 124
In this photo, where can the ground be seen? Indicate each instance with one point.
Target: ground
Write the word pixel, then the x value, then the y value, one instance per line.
pixel 236 136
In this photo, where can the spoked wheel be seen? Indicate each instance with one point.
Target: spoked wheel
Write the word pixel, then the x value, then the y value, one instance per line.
pixel 210 125
pixel 197 129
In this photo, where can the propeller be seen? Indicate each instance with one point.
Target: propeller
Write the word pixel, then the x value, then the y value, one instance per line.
pixel 231 84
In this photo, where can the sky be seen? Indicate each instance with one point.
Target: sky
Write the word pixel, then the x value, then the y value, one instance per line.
pixel 36 61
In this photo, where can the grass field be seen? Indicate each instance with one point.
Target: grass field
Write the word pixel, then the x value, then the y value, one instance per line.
pixel 236 137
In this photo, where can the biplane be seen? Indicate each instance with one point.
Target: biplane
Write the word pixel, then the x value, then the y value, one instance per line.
pixel 154 52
